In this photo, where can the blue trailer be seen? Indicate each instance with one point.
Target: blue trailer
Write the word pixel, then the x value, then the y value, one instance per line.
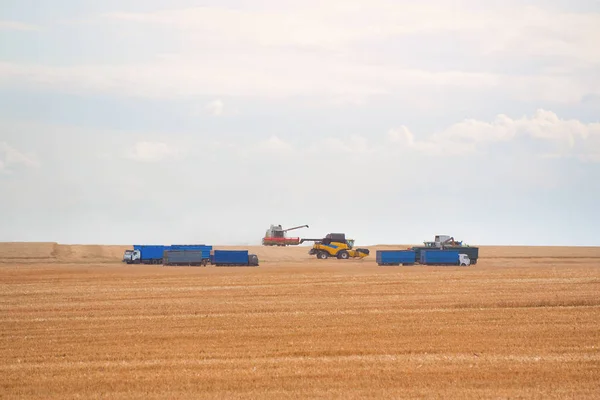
pixel 444 257
pixel 154 254
pixel 472 252
pixel 145 254
pixel 187 257
pixel 233 258
pixel 194 247
pixel 395 257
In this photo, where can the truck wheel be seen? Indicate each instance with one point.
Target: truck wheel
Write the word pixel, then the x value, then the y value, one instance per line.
pixel 322 255
pixel 463 265
pixel 343 255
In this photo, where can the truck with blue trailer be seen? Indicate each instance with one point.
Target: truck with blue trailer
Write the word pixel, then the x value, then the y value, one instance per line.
pixel 395 257
pixel 154 254
pixel 471 252
pixel 444 257
pixel 446 242
pixel 145 254
pixel 231 258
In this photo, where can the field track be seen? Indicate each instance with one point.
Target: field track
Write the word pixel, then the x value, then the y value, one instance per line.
pixel 76 323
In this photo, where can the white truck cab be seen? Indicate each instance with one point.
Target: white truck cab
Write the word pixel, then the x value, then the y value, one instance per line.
pixel 464 260
pixel 131 256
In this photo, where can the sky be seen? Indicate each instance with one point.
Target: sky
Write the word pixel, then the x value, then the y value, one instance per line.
pixel 159 122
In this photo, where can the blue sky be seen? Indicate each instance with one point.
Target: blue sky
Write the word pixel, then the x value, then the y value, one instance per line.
pixel 185 121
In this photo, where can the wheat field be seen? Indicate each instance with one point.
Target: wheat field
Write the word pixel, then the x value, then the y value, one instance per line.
pixel 76 323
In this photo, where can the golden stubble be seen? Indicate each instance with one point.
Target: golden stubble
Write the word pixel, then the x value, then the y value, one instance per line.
pixel 522 323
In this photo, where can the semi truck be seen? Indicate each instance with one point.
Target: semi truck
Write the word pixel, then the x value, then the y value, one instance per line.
pixel 230 258
pixel 144 254
pixel 471 252
pixel 154 254
pixel 446 242
pixel 444 257
pixel 395 257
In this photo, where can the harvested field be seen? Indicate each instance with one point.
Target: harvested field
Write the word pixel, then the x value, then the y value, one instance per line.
pixel 522 323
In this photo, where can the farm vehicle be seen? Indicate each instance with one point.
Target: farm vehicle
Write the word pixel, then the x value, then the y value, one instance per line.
pixel 188 255
pixel 335 245
pixel 276 236
pixel 426 257
pixel 445 242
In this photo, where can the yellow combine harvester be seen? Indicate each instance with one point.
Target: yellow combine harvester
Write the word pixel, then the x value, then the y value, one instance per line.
pixel 335 245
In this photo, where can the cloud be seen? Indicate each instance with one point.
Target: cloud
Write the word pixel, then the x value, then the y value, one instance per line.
pixel 152 152
pixel 260 177
pixel 274 145
pixel 11 157
pixel 536 33
pixel 17 26
pixel 269 75
pixel 566 138
pixel 352 144
pixel 336 24
pixel 341 51
pixel 215 107
pixel 543 134
pixel 401 135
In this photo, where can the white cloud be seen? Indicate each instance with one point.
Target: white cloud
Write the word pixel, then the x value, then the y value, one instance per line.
pixel 152 152
pixel 274 145
pixel 539 32
pixel 269 75
pixel 352 144
pixel 567 138
pixel 342 101
pixel 389 184
pixel 339 23
pixel 438 146
pixel 338 50
pixel 11 157
pixel 17 26
pixel 402 135
pixel 552 137
pixel 215 107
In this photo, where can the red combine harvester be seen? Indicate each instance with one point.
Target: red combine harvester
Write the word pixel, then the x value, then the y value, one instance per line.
pixel 275 236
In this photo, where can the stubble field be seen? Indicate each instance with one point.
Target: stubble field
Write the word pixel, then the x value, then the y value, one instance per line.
pixel 77 323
